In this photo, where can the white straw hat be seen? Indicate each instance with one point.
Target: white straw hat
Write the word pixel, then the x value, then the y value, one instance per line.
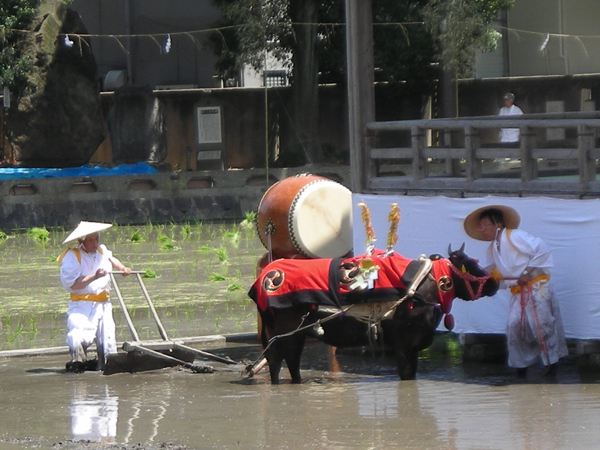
pixel 84 229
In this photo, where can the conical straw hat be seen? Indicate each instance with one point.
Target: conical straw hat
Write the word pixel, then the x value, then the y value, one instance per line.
pixel 85 228
pixel 471 222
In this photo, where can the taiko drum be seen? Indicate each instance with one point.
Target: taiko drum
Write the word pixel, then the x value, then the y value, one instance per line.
pixel 306 216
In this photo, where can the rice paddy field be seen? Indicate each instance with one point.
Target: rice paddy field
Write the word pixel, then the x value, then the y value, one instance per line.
pixel 196 274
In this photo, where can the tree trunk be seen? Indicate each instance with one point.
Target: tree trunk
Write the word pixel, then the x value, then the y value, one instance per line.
pixel 302 143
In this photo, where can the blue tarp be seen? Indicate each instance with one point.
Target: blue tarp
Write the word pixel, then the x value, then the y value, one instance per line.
pixel 15 173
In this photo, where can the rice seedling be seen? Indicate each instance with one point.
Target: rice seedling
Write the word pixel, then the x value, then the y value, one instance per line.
pixel 54 332
pixel 221 253
pixel 186 230
pixel 235 286
pixel 14 334
pixel 3 236
pixel 165 242
pixel 249 220
pixel 38 234
pixel 149 274
pixel 189 311
pixel 136 237
pixel 32 325
pixel 217 277
pixel 233 236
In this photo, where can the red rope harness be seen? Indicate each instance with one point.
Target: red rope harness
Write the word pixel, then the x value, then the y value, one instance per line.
pixel 526 297
pixel 468 279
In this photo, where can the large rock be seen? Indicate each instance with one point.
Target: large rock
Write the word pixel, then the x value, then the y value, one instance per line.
pixel 60 123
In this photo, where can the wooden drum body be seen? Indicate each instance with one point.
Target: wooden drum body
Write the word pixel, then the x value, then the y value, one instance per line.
pixel 306 216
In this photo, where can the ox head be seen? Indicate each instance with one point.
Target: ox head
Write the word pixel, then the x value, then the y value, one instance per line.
pixel 471 281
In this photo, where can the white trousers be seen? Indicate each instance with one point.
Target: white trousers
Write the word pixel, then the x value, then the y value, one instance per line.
pixel 89 322
pixel 535 333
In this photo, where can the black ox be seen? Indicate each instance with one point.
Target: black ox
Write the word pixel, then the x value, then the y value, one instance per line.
pixel 404 299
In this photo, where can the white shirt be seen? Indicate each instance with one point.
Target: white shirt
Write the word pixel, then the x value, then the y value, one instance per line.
pixel 71 269
pixel 518 252
pixel 510 134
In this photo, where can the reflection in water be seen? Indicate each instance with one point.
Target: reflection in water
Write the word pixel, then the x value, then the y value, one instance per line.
pixel 93 415
pixel 145 403
pixel 451 405
pixel 378 399
pixel 94 412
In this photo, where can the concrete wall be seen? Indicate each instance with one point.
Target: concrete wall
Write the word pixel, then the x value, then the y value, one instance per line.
pixel 138 199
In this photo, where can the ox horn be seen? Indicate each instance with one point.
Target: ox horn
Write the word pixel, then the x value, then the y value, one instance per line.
pixel 459 251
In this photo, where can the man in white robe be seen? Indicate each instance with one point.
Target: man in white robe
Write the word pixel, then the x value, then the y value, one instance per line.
pixel 522 263
pixel 84 275
pixel 510 136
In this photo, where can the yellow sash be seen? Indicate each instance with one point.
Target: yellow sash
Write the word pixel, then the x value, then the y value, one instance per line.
pixel 517 289
pixel 101 297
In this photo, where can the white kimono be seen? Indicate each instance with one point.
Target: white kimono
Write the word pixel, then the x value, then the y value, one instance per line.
pixel 510 134
pixel 535 330
pixel 88 321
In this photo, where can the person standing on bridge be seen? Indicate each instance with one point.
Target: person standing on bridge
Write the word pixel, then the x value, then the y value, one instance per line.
pixel 84 275
pixel 510 136
pixel 522 263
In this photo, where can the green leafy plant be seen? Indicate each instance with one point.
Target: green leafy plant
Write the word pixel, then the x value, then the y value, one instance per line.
pixel 221 253
pixel 217 277
pixel 39 234
pixel 149 274
pixel 249 220
pixel 136 237
pixel 235 286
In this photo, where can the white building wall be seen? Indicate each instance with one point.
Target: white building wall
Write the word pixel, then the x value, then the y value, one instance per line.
pixel 554 37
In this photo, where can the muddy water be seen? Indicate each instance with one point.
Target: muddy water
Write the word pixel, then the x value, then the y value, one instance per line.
pixel 347 401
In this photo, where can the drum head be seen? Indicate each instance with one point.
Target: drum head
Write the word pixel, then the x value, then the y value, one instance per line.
pixel 320 220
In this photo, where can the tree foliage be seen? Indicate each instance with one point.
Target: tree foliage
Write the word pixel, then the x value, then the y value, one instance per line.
pixel 410 36
pixel 460 28
pixel 414 41
pixel 15 63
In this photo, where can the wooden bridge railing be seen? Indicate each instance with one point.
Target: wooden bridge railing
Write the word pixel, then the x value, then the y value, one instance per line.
pixel 461 165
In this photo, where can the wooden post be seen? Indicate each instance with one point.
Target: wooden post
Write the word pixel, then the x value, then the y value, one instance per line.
pixel 587 165
pixel 361 96
pixel 528 164
pixel 452 165
pixel 419 164
pixel 473 169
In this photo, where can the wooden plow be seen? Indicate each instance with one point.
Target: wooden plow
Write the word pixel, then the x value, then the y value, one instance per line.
pixel 142 356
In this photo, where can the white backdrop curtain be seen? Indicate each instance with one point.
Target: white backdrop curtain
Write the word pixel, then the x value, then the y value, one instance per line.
pixel 570 227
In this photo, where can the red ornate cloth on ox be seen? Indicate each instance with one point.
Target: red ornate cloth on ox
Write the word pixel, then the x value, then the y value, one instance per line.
pixel 337 282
